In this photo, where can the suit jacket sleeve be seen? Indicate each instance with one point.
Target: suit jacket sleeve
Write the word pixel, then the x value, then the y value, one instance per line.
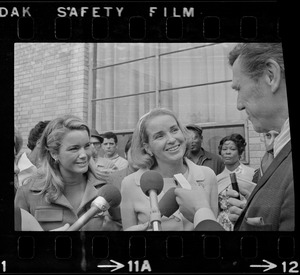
pixel 204 220
pixel 287 217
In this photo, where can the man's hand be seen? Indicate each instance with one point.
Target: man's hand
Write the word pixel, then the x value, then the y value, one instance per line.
pixel 237 206
pixel 191 200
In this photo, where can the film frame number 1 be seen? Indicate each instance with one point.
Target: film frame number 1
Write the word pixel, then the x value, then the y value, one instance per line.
pixel 3 266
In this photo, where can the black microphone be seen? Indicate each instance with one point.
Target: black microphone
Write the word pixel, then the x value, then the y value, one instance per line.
pixel 234 183
pixel 108 196
pixel 115 213
pixel 168 204
pixel 152 183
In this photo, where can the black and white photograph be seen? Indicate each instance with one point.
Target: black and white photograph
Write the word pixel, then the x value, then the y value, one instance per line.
pixel 149 137
pixel 152 137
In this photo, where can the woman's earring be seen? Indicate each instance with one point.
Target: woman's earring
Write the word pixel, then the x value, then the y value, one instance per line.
pixel 56 161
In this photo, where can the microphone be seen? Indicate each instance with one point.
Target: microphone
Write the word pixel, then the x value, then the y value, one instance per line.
pixel 115 213
pixel 168 204
pixel 151 184
pixel 108 196
pixel 234 183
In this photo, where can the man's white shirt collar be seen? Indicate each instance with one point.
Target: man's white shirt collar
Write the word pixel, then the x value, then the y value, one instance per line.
pixel 283 138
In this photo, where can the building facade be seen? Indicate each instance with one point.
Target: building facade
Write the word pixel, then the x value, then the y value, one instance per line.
pixel 110 85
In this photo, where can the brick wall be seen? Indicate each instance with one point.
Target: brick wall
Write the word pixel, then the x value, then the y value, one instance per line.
pixel 51 79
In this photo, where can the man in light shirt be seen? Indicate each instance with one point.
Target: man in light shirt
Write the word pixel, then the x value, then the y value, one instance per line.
pixel 110 147
pixel 104 166
pixel 259 79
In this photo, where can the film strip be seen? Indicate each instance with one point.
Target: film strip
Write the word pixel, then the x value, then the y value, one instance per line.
pixel 133 21
pixel 137 252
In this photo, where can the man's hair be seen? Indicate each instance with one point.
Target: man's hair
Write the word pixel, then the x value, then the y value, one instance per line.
pixel 254 57
pixel 18 140
pixel 36 133
pixel 110 135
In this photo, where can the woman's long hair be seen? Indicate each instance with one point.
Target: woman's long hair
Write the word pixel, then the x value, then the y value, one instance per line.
pixel 49 174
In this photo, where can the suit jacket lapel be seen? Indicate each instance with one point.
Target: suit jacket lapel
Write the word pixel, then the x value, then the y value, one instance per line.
pixel 269 172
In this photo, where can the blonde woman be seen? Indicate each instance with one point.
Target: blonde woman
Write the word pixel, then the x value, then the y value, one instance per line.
pixel 160 143
pixel 64 186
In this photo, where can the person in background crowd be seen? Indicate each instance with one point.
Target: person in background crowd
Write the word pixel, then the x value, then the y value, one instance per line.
pixel 200 156
pixel 110 147
pixel 65 184
pixel 18 143
pixel 104 166
pixel 28 161
pixel 96 141
pixel 267 157
pixel 160 143
pixel 259 79
pixel 231 149
pixel 117 177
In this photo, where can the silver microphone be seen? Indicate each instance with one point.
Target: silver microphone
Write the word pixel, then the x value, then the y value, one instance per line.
pixel 109 196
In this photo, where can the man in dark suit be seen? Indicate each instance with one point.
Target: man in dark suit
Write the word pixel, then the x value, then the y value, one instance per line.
pixel 259 79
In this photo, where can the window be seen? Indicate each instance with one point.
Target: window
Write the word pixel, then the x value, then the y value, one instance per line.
pixel 192 79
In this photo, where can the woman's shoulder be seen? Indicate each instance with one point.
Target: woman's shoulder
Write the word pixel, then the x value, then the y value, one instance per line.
pixel 33 182
pixel 31 186
pixel 247 168
pixel 193 166
pixel 200 172
pixel 133 178
pixel 223 174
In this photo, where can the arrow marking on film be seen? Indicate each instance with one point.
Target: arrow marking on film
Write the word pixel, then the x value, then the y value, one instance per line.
pixel 116 266
pixel 269 265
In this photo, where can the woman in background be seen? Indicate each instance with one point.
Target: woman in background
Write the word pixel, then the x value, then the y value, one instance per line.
pixel 231 149
pixel 160 143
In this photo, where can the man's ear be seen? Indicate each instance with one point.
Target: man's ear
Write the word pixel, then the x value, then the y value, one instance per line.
pixel 274 74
